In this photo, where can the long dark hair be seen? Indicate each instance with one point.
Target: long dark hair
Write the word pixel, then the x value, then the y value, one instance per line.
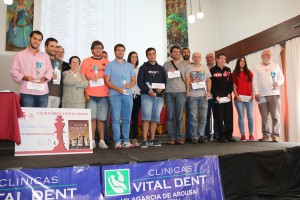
pixel 237 69
pixel 129 57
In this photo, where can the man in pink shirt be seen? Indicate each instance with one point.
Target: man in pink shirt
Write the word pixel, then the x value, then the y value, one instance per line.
pixel 32 70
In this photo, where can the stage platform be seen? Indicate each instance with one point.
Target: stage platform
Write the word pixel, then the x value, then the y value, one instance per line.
pixel 249 170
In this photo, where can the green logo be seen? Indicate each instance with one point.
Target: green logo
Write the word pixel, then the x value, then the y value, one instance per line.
pixel 117 182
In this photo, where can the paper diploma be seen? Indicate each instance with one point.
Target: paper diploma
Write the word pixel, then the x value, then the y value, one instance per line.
pixel 174 74
pixel 198 85
pixel 158 86
pixel 99 82
pixel 224 100
pixel 261 100
pixel 36 86
pixel 245 98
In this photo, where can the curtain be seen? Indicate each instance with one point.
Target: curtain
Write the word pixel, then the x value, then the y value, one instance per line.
pixel 253 60
pixel 293 88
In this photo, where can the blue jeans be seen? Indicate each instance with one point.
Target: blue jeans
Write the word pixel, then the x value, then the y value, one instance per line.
pixel 240 109
pixel 187 119
pixel 208 118
pixel 29 100
pixel 121 104
pixel 175 103
pixel 198 110
pixel 99 107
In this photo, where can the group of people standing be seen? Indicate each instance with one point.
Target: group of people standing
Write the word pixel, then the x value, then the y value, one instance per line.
pixel 121 88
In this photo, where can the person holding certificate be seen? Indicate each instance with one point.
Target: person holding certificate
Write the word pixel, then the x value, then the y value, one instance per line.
pixel 242 88
pixel 151 80
pixel 222 87
pixel 267 78
pixel 74 84
pixel 93 68
pixel 32 69
pixel 175 95
pixel 198 86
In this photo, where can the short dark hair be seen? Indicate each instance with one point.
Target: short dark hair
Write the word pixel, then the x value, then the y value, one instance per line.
pixel 96 43
pixel 104 52
pixel 150 49
pixel 175 47
pixel 129 57
pixel 70 60
pixel 119 45
pixel 36 32
pixel 185 49
pixel 221 54
pixel 50 40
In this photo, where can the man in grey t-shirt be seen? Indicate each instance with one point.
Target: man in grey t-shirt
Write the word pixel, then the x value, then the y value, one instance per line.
pixel 198 86
pixel 175 95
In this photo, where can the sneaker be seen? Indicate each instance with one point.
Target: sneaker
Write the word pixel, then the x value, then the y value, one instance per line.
pixel 127 145
pixel 202 140
pixel 144 144
pixel 231 139
pixel 118 145
pixel 135 142
pixel 180 141
pixel 154 143
pixel 195 141
pixel 243 138
pixel 265 138
pixel 275 138
pixel 171 142
pixel 102 145
pixel 94 144
pixel 251 137
pixel 223 140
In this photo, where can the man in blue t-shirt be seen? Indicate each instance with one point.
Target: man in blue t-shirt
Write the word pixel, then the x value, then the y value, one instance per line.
pixel 120 78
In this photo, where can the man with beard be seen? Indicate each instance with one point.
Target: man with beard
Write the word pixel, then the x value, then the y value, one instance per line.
pixel 32 70
pixel 186 53
pixel 267 78
pixel 55 89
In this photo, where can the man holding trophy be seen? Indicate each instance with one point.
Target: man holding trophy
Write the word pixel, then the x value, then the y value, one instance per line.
pixel 266 81
pixel 32 70
pixel 120 78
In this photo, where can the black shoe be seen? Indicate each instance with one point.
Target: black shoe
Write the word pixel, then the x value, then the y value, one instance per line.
pixel 223 140
pixel 195 141
pixel 202 140
pixel 231 139
pixel 188 139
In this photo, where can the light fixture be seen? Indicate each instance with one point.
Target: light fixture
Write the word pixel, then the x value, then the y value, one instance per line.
pixel 200 14
pixel 191 18
pixel 8 2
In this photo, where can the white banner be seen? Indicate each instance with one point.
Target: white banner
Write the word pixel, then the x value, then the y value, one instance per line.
pixel 50 131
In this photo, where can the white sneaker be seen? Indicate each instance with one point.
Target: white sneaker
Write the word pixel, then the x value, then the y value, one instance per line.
pixel 118 145
pixel 94 144
pixel 128 145
pixel 102 144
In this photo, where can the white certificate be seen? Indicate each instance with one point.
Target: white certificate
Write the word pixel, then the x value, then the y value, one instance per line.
pixel 99 82
pixel 198 85
pixel 261 100
pixel 175 74
pixel 224 100
pixel 158 86
pixel 36 86
pixel 245 98
pixel 58 77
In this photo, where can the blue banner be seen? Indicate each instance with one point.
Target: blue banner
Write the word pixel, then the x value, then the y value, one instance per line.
pixel 52 183
pixel 197 178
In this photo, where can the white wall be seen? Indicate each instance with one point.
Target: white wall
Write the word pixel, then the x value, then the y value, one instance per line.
pixel 239 19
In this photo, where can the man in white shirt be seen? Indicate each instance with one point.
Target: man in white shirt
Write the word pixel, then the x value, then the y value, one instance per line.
pixel 266 81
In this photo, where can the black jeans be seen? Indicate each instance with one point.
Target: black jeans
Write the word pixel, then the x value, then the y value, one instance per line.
pixel 135 115
pixel 224 119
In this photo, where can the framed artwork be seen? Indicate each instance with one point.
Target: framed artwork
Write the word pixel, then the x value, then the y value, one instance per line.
pixel 19 22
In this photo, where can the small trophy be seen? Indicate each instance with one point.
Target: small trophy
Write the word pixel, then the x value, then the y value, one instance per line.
pixel 55 71
pixel 273 75
pixel 38 72
pixel 96 71
pixel 149 86
pixel 124 77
